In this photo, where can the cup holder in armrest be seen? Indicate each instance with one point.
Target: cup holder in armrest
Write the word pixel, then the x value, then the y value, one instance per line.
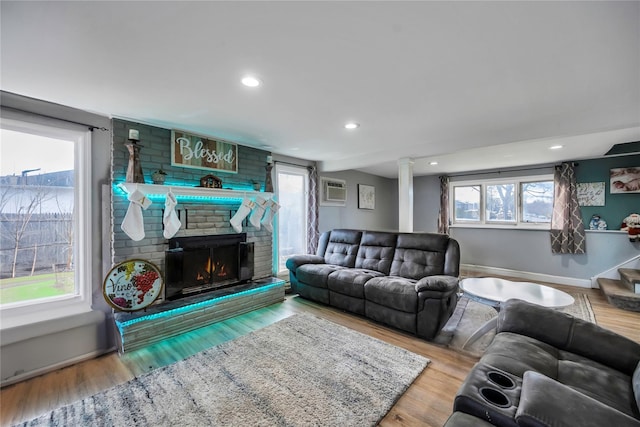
pixel 501 380
pixel 495 397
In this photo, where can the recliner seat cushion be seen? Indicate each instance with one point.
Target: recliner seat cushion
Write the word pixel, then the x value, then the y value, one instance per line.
pixel 351 281
pixel 394 292
pixel 316 275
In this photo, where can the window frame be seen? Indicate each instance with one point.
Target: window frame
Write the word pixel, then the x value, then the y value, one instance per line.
pixel 483 222
pixel 44 309
pixel 293 170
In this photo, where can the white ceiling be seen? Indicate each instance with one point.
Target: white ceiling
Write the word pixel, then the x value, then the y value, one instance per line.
pixel 473 85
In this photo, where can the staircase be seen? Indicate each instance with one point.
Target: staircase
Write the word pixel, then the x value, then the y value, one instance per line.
pixel 622 293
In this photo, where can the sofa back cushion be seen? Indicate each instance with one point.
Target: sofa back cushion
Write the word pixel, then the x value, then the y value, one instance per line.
pixel 342 247
pixel 418 255
pixel 376 251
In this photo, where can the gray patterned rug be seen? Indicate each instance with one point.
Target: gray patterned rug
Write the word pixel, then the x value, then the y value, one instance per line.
pixel 470 315
pixel 300 371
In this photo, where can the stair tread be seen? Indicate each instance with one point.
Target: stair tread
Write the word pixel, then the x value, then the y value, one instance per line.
pixel 619 295
pixel 615 287
pixel 630 274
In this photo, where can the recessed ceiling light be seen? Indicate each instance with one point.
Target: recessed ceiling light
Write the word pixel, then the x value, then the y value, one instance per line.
pixel 352 125
pixel 250 81
pixel 433 163
pixel 556 147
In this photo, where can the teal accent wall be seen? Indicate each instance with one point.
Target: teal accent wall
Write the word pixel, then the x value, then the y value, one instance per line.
pixel 617 206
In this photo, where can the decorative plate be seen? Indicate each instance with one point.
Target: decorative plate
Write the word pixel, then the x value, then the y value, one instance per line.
pixel 132 285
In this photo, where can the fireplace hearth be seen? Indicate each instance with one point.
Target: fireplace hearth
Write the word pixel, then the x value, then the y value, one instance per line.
pixel 204 263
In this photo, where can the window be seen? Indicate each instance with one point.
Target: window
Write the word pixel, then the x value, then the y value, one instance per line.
pixel 526 202
pixel 44 221
pixel 537 201
pixel 292 192
pixel 467 203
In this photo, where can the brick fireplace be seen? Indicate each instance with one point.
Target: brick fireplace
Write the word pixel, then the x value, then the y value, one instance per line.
pixel 200 216
pixel 223 273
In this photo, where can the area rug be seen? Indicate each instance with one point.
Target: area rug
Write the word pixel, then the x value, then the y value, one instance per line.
pixel 470 315
pixel 300 371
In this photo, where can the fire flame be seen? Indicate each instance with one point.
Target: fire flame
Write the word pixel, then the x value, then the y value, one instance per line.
pixel 210 268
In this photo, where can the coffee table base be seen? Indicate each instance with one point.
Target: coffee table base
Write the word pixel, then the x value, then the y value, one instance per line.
pixel 488 326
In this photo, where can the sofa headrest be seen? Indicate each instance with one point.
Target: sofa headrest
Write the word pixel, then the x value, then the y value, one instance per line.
pixel 431 242
pixel 378 238
pixel 351 237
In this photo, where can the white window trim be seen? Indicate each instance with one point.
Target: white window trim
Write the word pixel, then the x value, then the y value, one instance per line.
pixel 483 223
pixel 41 310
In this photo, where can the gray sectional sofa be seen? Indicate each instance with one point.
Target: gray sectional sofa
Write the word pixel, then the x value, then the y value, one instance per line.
pixel 547 368
pixel 405 280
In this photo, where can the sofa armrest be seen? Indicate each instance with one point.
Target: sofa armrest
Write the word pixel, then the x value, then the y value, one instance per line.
pixel 545 402
pixel 566 332
pixel 296 261
pixel 437 283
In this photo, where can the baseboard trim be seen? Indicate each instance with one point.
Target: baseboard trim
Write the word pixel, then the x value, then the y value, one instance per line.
pixel 539 277
pixel 36 372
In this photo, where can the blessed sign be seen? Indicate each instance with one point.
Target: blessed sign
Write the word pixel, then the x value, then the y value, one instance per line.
pixel 199 152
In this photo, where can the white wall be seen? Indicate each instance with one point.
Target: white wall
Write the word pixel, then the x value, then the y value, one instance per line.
pixel 530 251
pixel 383 218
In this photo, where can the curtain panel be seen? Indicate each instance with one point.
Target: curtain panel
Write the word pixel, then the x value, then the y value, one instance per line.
pixel 443 216
pixel 567 228
pixel 313 233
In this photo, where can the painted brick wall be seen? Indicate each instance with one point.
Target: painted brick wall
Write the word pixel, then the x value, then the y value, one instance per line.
pixel 204 217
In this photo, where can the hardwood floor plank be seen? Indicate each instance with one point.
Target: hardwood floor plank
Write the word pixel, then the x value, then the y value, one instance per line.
pixel 427 402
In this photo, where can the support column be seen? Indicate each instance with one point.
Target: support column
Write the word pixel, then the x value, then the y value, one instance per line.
pixel 405 195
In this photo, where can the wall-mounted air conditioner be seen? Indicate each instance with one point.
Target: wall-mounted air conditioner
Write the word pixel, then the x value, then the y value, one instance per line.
pixel 333 192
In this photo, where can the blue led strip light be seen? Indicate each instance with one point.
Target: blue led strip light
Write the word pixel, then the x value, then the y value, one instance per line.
pixel 179 310
pixel 223 200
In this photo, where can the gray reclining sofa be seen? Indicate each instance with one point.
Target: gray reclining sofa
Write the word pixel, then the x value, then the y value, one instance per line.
pixel 547 368
pixel 405 280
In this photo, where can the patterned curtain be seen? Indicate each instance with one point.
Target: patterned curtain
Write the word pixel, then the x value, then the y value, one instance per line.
pixel 443 217
pixel 567 229
pixel 313 233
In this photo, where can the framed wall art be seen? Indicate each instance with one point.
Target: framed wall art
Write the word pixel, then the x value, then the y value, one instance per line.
pixel 624 180
pixel 132 285
pixel 591 193
pixel 366 196
pixel 200 152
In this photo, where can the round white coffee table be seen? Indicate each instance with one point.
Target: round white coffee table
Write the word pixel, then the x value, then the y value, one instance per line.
pixel 493 291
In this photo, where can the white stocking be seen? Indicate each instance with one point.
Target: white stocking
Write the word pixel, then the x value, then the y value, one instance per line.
pixel 243 211
pixel 258 211
pixel 270 212
pixel 133 223
pixel 170 218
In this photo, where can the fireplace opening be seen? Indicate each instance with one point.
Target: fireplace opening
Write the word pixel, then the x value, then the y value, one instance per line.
pixel 203 263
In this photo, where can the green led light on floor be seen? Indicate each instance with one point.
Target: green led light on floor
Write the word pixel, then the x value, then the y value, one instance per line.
pixel 191 307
